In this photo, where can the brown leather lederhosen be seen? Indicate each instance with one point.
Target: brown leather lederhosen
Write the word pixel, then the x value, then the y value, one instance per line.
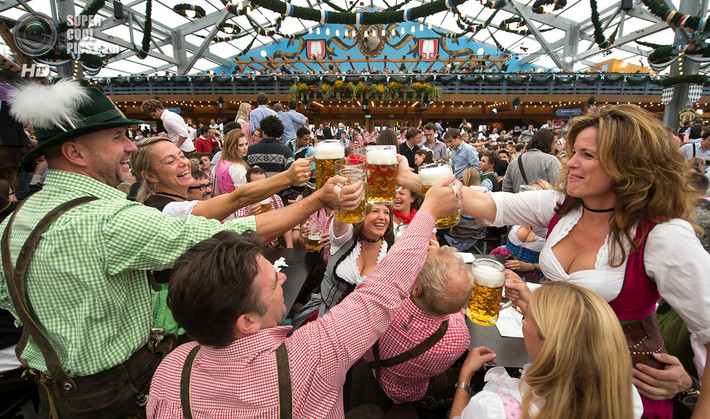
pixel 119 391
pixel 283 370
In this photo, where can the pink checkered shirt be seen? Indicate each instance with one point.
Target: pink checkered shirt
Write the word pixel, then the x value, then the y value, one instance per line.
pixel 276 203
pixel 240 381
pixel 408 381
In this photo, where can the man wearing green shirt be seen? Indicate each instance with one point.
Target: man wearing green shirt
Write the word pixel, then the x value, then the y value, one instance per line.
pixel 87 278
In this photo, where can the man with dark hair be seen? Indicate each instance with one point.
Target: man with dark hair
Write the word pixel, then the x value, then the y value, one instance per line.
pixel 411 145
pixel 291 120
pixel 463 155
pixel 489 178
pixel 200 189
pixel 244 363
pixel 269 153
pixel 698 148
pixel 437 148
pixel 173 124
pixel 536 163
pixel 302 147
pixel 261 111
pixel 526 135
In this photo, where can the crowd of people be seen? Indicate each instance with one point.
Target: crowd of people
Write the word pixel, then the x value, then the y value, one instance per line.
pixel 138 275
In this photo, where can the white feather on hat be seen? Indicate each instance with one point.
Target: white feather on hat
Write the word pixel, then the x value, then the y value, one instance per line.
pixel 46 107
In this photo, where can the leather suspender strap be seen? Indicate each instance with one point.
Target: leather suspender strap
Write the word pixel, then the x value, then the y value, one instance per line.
pixel 185 383
pixel 283 371
pixel 522 170
pixel 16 287
pixel 424 346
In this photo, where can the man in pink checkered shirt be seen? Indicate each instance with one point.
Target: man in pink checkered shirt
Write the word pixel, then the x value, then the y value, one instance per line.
pixel 438 295
pixel 234 312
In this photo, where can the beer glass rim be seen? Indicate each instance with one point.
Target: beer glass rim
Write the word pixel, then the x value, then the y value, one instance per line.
pixel 381 147
pixel 488 262
pixel 434 164
pixel 329 141
pixel 349 164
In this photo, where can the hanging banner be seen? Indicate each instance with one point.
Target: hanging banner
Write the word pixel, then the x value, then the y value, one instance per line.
pixel 694 92
pixel 428 48
pixel 667 95
pixel 662 66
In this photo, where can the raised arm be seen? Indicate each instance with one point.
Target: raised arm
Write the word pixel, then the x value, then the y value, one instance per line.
pixel 221 206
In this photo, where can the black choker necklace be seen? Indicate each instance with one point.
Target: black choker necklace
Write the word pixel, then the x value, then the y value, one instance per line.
pixel 596 210
pixel 178 197
pixel 369 240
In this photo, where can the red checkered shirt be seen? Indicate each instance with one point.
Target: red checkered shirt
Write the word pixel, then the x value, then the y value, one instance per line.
pixel 240 381
pixel 408 381
pixel 276 203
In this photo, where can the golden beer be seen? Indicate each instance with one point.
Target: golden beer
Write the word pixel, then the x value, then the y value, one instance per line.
pixel 489 278
pixel 312 242
pixel 354 171
pixel 326 153
pixel 265 205
pixel 430 175
pixel 381 173
pixel 353 216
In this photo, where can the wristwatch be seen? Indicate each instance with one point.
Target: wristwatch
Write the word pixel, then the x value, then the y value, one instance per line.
pixel 690 396
pixel 464 386
pixel 533 269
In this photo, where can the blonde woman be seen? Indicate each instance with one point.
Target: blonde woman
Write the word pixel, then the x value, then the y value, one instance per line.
pixel 580 369
pixel 230 171
pixel 243 120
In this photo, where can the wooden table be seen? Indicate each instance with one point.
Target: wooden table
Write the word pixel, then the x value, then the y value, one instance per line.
pixel 510 352
pixel 300 264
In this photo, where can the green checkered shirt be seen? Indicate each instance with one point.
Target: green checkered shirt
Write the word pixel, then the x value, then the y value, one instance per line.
pixel 87 278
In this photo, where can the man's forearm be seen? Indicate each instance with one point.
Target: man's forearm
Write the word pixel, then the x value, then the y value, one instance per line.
pixel 275 223
pixel 180 141
pixel 222 206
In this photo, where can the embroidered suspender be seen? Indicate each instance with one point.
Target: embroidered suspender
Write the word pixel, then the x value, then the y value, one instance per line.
pixel 424 346
pixel 283 370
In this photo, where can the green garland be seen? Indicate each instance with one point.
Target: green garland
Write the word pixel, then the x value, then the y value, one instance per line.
pixel 537 6
pixel 599 38
pixel 143 52
pixel 182 7
pixel 663 12
pixel 691 79
pixel 10 23
pixel 369 18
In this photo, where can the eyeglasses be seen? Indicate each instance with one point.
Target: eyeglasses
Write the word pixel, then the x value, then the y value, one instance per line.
pixel 201 187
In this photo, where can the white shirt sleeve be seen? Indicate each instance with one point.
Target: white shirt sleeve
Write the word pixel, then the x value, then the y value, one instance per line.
pixel 484 405
pixel 238 174
pixel 174 125
pixel 179 209
pixel 532 208
pixel 677 262
pixel 337 242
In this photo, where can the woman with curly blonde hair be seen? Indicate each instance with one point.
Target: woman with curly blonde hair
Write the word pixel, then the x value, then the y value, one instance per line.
pixel 574 341
pixel 616 225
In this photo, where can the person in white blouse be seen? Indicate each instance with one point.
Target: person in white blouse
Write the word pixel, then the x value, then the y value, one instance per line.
pixel 574 341
pixel 624 175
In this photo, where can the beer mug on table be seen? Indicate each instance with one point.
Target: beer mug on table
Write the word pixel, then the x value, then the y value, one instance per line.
pixel 353 171
pixel 431 174
pixel 326 153
pixel 381 173
pixel 484 305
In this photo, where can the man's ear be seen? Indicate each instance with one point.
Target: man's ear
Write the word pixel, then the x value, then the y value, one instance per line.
pixel 416 290
pixel 248 324
pixel 74 152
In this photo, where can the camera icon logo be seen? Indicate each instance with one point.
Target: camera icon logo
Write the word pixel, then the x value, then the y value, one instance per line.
pixel 35 34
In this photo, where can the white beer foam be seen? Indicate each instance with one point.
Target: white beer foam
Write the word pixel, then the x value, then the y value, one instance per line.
pixel 325 151
pixel 488 276
pixel 431 176
pixel 383 157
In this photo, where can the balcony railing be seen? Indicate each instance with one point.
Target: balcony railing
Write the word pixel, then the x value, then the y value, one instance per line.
pixel 460 84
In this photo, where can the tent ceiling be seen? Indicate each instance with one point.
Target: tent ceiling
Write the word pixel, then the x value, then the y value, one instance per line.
pixel 555 37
